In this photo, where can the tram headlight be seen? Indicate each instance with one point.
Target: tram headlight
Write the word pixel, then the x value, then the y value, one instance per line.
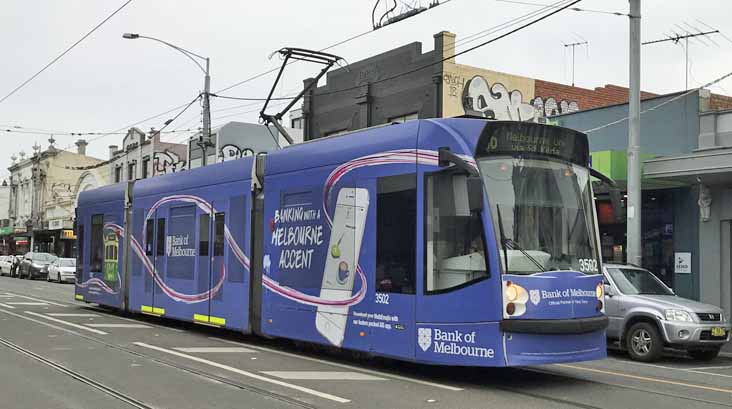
pixel 511 293
pixel 600 291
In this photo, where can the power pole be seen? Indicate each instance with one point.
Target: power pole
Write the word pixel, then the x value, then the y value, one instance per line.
pixel 205 140
pixel 574 45
pixel 635 205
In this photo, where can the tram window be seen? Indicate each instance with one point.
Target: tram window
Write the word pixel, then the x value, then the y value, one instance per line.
pixel 219 221
pixel 203 232
pixel 160 245
pixel 454 248
pixel 149 233
pixel 396 234
pixel 97 243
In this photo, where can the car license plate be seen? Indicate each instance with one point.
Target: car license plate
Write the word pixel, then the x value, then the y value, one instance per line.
pixel 718 332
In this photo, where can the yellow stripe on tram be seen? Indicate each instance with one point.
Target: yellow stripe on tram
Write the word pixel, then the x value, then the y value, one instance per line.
pixel 209 320
pixel 79 297
pixel 146 309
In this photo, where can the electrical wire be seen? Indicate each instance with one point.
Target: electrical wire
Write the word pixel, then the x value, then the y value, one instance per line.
pixel 24 83
pixel 252 99
pixel 526 3
pixel 668 101
pixel 473 48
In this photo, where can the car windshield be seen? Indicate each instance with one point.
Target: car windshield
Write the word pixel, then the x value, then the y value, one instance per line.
pixel 542 211
pixel 43 257
pixel 634 281
pixel 67 262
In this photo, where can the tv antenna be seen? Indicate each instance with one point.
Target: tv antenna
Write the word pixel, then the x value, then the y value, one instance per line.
pixel 679 33
pixel 573 46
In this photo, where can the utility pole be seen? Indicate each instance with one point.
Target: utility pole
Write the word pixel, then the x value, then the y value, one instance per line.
pixel 635 206
pixel 574 45
pixel 205 140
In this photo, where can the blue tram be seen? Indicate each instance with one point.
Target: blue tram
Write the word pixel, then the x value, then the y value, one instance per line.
pixel 443 241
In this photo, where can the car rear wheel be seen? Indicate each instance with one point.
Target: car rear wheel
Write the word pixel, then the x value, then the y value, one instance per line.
pixel 704 354
pixel 643 342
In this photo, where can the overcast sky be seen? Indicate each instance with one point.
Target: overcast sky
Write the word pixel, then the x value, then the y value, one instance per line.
pixel 106 82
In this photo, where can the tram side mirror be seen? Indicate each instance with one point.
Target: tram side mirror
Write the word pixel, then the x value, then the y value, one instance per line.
pixel 447 158
pixel 614 193
pixel 475 193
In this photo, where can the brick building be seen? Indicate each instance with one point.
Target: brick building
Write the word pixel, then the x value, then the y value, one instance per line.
pixel 406 83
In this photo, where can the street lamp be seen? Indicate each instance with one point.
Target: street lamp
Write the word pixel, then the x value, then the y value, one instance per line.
pixel 202 143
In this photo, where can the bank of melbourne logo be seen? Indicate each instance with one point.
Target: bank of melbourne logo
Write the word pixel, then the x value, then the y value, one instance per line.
pixel 168 245
pixel 424 338
pixel 535 296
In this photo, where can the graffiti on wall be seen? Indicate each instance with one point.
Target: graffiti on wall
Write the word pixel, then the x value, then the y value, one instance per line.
pixel 498 102
pixel 168 162
pixel 232 152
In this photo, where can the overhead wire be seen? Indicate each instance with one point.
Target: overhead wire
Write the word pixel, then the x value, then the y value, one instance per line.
pixel 66 51
pixel 457 54
pixel 668 101
pixel 527 3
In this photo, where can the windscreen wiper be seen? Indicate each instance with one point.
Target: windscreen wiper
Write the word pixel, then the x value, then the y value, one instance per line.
pixel 510 243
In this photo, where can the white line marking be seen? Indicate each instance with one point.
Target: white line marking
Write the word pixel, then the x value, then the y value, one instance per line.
pixel 70 314
pixel 693 370
pixel 206 350
pixel 345 366
pixel 6 296
pixel 37 299
pixel 70 331
pixel 7 306
pixel 711 367
pixel 245 373
pixel 70 324
pixel 118 326
pixel 27 303
pixel 323 375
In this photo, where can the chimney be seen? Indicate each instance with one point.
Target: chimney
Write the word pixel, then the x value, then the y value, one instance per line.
pixel 81 146
pixel 445 46
pixel 112 150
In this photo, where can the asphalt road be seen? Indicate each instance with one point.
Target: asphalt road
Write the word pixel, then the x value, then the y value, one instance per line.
pixel 59 353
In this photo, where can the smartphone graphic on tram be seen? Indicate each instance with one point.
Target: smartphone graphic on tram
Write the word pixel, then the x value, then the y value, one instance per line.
pixel 349 220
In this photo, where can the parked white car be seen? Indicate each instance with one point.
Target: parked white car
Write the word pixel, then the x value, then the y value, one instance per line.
pixel 6 262
pixel 62 270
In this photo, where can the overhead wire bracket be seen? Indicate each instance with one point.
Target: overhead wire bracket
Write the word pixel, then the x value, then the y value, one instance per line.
pixel 302 54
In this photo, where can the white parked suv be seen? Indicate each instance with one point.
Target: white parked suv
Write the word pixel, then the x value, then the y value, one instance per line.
pixel 645 316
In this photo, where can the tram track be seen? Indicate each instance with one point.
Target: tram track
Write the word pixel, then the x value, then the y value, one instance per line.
pixel 165 362
pixel 108 390
pixel 471 380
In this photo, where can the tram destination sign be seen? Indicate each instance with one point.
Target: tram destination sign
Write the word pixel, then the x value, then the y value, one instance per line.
pixel 527 138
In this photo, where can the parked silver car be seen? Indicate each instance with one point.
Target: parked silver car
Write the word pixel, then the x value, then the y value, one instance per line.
pixel 646 316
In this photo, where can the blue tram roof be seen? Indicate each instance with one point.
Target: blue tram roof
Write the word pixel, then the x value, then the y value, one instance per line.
pixel 332 150
pixel 223 172
pixel 104 194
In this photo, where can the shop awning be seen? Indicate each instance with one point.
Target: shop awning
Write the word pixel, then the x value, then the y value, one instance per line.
pixel 712 166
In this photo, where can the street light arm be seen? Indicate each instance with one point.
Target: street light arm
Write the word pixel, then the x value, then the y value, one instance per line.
pixel 189 54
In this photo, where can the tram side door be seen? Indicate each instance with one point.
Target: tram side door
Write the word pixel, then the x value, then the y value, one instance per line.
pixel 159 259
pixel 392 233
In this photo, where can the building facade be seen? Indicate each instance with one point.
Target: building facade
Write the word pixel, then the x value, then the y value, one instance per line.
pixel 144 155
pixel 686 196
pixel 6 230
pixel 406 83
pixel 43 191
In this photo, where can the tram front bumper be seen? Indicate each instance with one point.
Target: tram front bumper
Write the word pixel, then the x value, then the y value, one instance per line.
pixel 562 326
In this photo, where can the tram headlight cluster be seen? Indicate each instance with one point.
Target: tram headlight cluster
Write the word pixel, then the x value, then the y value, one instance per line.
pixel 514 299
pixel 600 293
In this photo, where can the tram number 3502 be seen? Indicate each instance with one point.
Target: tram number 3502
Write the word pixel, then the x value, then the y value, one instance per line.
pixel 382 298
pixel 588 264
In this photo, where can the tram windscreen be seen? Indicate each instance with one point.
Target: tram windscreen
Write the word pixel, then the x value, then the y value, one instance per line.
pixel 542 213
